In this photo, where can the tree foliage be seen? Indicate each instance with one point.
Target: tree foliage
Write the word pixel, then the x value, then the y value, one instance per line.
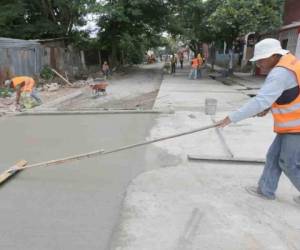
pixel 224 20
pixel 234 18
pixel 128 28
pixel 29 19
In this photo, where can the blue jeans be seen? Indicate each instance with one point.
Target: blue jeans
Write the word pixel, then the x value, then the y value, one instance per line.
pixel 34 94
pixel 199 73
pixel 193 74
pixel 283 156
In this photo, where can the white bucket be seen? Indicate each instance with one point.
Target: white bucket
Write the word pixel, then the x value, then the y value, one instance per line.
pixel 210 106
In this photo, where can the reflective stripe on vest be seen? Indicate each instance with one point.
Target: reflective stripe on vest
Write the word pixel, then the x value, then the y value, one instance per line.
pixel 286 110
pixel 294 123
pixel 287 116
pixel 29 83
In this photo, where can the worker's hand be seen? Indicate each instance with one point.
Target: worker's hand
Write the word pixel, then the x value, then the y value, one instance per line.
pixel 263 113
pixel 223 123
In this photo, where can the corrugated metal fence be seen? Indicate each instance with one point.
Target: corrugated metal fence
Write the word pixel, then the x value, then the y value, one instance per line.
pixel 28 57
pixel 20 57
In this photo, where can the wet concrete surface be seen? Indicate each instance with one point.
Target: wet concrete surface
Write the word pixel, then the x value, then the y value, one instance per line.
pixel 74 205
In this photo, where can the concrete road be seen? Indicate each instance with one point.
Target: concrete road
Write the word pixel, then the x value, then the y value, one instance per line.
pixel 75 205
pixel 135 87
pixel 204 205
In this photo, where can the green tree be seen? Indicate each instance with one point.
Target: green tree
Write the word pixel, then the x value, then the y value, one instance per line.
pixel 233 18
pixel 129 28
pixel 191 21
pixel 199 21
pixel 29 19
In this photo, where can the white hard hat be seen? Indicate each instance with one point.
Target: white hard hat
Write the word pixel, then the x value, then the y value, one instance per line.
pixel 7 83
pixel 266 48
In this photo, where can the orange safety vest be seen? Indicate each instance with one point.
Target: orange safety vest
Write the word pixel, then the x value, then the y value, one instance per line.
pixel 287 116
pixel 195 63
pixel 29 83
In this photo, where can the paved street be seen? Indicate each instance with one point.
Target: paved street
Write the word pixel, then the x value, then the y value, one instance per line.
pixel 204 205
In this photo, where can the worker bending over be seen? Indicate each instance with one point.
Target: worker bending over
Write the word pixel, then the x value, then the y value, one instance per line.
pixel 25 91
pixel 279 94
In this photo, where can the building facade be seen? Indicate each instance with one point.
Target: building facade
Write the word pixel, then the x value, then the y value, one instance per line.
pixel 289 33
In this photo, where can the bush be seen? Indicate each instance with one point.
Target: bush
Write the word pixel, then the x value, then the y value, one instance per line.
pixel 46 73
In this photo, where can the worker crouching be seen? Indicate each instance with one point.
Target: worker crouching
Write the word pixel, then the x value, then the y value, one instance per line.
pixel 26 94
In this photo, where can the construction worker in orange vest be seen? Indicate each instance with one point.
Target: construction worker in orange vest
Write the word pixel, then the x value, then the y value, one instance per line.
pixel 194 69
pixel 24 87
pixel 279 94
pixel 200 62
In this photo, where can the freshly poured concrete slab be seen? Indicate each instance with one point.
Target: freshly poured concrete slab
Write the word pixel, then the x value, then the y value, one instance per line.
pixel 225 100
pixel 69 206
pixel 159 209
pixel 184 121
pixel 249 138
pixel 182 84
pixel 204 205
pixel 191 95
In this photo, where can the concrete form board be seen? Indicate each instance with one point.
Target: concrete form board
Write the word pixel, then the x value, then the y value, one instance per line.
pixel 72 206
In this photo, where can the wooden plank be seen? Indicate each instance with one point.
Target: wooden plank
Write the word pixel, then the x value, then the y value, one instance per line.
pixel 226 159
pixel 12 171
pixel 53 70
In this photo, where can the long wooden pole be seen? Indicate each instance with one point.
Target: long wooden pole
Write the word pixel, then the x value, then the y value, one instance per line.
pixel 12 171
pixel 102 152
pixel 53 70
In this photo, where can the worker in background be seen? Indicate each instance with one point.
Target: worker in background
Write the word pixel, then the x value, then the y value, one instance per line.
pixel 200 63
pixel 279 94
pixel 173 64
pixel 105 69
pixel 194 68
pixel 26 94
pixel 181 57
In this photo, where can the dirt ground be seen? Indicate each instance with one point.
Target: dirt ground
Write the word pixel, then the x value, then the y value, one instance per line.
pixel 133 88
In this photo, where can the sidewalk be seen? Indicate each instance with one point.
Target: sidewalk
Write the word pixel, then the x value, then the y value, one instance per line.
pixel 245 82
pixel 204 205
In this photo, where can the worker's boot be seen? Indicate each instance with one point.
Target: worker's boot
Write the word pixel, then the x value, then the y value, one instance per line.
pixel 297 199
pixel 253 190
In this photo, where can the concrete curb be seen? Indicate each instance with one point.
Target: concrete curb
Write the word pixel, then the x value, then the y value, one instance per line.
pixel 92 112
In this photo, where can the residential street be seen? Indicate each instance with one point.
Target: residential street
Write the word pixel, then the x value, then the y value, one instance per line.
pixel 135 87
pixel 152 197
pixel 204 205
pixel 150 125
pixel 74 205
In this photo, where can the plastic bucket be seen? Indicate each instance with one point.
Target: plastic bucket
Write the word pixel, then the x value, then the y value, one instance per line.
pixel 210 106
